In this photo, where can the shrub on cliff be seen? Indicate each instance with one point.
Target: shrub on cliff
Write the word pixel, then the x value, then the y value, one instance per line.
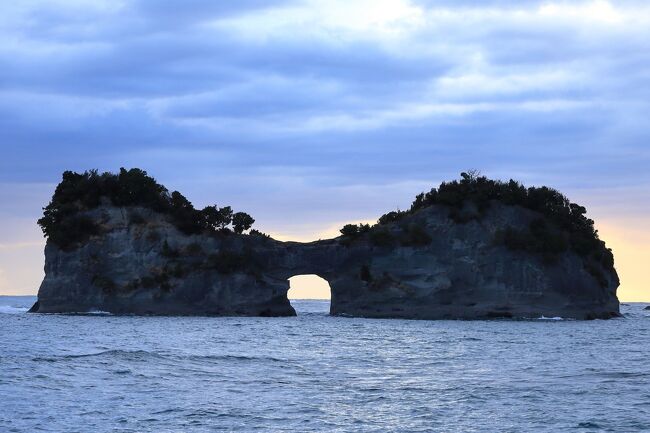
pixel 217 218
pixel 184 216
pixel 381 237
pixel 68 230
pixel 564 224
pixel 241 222
pixel 259 234
pixel 414 235
pixel 350 230
pixel 391 217
pixel 79 192
pixel 354 230
pixel 539 238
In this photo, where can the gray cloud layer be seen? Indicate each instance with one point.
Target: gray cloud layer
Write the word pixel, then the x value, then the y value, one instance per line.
pixel 326 99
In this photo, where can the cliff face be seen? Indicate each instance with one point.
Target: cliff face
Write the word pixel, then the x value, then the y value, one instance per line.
pixel 140 263
pixel 466 272
pixel 149 267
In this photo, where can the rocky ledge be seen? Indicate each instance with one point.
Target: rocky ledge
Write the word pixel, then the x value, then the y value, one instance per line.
pixel 472 248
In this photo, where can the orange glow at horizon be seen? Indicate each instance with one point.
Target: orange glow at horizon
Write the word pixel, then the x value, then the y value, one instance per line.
pixel 629 239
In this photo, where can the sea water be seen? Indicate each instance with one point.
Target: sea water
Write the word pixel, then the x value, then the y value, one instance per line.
pixel 102 373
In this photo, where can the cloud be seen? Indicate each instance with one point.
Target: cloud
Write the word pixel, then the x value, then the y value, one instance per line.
pixel 244 62
pixel 324 110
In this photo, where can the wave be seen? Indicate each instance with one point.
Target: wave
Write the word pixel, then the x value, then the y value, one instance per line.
pixel 142 355
pixel 97 313
pixel 10 309
pixel 588 424
pixel 622 374
pixel 241 358
pixel 116 353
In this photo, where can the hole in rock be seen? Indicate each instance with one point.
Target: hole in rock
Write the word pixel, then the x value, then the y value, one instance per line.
pixel 309 294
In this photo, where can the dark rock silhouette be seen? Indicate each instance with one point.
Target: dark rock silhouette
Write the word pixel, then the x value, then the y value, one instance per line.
pixel 480 256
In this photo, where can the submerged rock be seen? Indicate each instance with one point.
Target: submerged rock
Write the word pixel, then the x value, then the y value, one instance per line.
pixel 433 262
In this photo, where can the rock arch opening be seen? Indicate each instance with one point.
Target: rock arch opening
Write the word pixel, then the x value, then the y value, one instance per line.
pixel 309 293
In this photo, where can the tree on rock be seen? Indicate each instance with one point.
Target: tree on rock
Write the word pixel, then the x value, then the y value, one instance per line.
pixel 217 218
pixel 241 222
pixel 225 217
pixel 211 217
pixel 350 230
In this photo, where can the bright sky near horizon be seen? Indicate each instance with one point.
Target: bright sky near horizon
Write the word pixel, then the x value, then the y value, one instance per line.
pixel 312 113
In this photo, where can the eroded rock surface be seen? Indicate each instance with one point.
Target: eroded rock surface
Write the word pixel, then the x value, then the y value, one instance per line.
pixel 140 263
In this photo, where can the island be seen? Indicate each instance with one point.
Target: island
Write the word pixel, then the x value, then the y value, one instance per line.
pixel 472 248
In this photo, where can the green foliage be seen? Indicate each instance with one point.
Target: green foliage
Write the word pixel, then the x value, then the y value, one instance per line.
pixel 71 231
pixel 350 230
pixel 185 217
pixel 381 237
pixel 391 217
pixel 241 222
pixel 227 262
pixel 80 192
pixel 353 230
pixel 217 218
pixel 258 233
pixel 131 188
pixel 548 239
pixel 603 256
pixel 225 216
pixel 563 226
pixel 540 239
pixel 415 236
pixel 595 272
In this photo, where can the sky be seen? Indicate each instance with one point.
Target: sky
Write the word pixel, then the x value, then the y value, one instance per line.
pixel 311 114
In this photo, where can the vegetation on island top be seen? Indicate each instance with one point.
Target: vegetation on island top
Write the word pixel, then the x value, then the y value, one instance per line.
pixel 562 225
pixel 65 225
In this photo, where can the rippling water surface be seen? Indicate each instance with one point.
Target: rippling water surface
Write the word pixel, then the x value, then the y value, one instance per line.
pixel 319 373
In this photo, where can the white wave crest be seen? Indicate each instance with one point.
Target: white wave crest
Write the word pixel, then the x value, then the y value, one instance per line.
pixel 9 309
pixel 98 313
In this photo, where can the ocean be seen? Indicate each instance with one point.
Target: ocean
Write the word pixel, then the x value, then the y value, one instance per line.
pixel 316 373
